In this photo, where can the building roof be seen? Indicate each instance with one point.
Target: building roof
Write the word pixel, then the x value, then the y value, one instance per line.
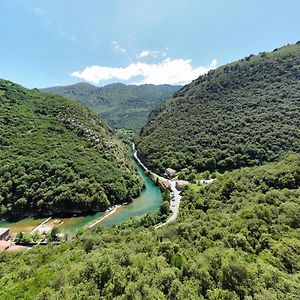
pixel 4 245
pixel 165 184
pixel 182 182
pixel 15 248
pixel 9 246
pixel 170 170
pixel 3 230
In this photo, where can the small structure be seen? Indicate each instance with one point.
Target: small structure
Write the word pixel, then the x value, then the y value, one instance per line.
pixel 165 184
pixel 170 172
pixel 4 245
pixel 205 181
pixel 4 233
pixel 9 246
pixel 180 184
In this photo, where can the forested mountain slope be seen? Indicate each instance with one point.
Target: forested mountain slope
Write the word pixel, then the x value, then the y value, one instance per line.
pixel 242 114
pixel 237 239
pixel 120 105
pixel 57 156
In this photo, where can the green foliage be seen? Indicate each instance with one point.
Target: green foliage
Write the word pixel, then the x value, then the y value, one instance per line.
pixel 242 246
pixel 57 156
pixel 242 114
pixel 54 235
pixel 120 105
pixel 235 239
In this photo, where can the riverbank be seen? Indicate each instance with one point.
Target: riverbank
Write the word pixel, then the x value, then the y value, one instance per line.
pixel 166 184
pixel 110 211
pixel 148 201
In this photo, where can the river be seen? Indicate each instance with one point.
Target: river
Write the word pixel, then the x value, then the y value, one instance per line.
pixel 148 201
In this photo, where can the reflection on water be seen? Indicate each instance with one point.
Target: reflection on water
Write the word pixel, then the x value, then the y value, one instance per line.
pixel 148 201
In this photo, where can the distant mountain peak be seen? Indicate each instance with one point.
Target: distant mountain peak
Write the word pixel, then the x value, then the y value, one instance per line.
pixel 120 105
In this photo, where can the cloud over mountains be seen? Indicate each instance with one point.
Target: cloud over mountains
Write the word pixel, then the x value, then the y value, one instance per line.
pixel 169 71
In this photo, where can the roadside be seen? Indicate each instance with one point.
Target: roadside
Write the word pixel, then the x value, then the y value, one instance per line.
pixel 171 184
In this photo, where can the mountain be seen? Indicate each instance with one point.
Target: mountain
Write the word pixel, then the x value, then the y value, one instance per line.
pixel 236 239
pixel 242 114
pixel 120 105
pixel 57 156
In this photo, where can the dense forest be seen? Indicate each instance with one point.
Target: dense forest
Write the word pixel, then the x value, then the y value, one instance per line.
pixel 120 105
pixel 242 114
pixel 238 238
pixel 57 156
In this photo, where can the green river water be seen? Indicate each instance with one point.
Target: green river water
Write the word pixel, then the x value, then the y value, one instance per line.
pixel 148 201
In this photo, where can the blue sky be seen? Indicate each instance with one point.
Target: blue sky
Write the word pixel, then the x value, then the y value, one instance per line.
pixel 58 42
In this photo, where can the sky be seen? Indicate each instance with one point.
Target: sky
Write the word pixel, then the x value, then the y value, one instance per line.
pixel 58 42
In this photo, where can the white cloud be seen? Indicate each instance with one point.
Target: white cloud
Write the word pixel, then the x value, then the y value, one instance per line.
pixel 145 53
pixel 152 53
pixel 214 63
pixel 117 48
pixel 169 71
pixel 39 11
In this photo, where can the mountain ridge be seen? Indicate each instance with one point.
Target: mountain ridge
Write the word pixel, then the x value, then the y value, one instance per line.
pixel 57 156
pixel 222 120
pixel 120 105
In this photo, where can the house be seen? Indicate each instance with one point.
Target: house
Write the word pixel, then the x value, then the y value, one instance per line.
pixel 4 233
pixel 205 181
pixel 4 245
pixel 9 246
pixel 180 184
pixel 170 172
pixel 165 184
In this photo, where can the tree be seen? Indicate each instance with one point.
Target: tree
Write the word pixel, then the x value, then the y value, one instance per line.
pixel 54 235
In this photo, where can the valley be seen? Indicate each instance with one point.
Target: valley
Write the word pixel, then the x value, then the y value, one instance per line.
pixel 226 226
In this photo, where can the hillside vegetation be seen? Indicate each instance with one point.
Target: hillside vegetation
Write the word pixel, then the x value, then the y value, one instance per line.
pixel 57 156
pixel 237 239
pixel 120 105
pixel 242 114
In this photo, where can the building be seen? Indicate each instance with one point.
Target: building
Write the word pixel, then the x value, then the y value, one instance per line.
pixel 165 184
pixel 4 245
pixel 4 233
pixel 205 181
pixel 180 184
pixel 9 246
pixel 170 172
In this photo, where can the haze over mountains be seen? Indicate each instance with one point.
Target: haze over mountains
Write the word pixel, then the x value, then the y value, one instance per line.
pixel 120 105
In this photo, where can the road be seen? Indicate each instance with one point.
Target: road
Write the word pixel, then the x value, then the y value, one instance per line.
pixel 174 205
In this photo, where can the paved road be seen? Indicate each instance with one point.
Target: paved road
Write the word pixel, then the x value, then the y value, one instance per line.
pixel 175 202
